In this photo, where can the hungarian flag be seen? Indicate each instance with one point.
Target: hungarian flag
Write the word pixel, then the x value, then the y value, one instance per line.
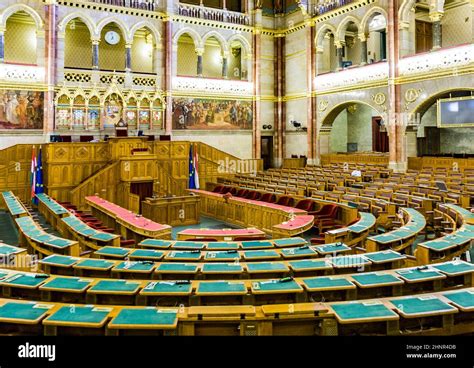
pixel 33 174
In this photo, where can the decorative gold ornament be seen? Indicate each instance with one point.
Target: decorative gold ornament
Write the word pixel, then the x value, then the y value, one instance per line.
pixel 412 94
pixel 323 105
pixel 379 98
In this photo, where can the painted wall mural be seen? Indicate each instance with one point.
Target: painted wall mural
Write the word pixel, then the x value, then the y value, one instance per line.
pixel 203 114
pixel 21 109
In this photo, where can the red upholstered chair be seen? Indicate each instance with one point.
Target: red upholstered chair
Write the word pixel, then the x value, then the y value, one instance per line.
pixel 242 193
pixel 253 195
pixel 318 240
pixel 328 211
pixel 225 190
pixel 126 243
pixel 305 205
pixel 285 201
pixel 218 189
pixel 232 191
pixel 268 197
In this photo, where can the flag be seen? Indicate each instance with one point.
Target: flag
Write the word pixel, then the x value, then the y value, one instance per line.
pixel 196 168
pixel 39 188
pixel 33 174
pixel 192 181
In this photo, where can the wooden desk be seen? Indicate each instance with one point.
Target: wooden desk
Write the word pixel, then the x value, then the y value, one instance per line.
pixel 220 234
pixel 130 225
pixel 174 211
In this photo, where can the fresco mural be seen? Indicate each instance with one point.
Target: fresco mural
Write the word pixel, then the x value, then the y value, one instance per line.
pixel 21 109
pixel 203 114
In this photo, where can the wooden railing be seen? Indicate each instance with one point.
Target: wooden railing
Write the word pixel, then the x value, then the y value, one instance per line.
pixel 219 15
pixel 103 183
pixel 167 185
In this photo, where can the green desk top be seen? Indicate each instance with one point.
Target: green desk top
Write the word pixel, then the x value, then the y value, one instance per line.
pixel 115 286
pixel 327 283
pixel 367 220
pixel 354 312
pixel 463 299
pixel 58 242
pixel 3 274
pixel 184 255
pixel 222 255
pixel 454 267
pixel 261 254
pixel 385 238
pixel 25 280
pixel 221 287
pixel 156 243
pixel 222 267
pixel 22 311
pixel 113 252
pixel 79 315
pixel 275 285
pixel 167 287
pixel 349 261
pixel 423 305
pixel 99 264
pixel 371 279
pixel 134 266
pixel 8 249
pixel 289 242
pixel 146 254
pixel 256 244
pixel 55 207
pixel 102 236
pixel 384 256
pixel 331 248
pixel 438 245
pixel 57 260
pixel 307 265
pixel 66 283
pixel 177 267
pixel 222 245
pixel 266 267
pixel 188 245
pixel 304 250
pixel 144 317
pixel 415 275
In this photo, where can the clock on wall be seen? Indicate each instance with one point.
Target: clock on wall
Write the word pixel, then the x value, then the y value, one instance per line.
pixel 112 38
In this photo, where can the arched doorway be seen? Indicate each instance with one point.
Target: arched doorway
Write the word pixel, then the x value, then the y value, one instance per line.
pixel 353 127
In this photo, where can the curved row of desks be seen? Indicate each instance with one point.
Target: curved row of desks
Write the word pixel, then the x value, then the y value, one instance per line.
pixel 402 238
pixel 404 281
pixel 450 245
pixel 446 313
pixel 128 224
pixel 13 205
pixel 277 220
pixel 137 266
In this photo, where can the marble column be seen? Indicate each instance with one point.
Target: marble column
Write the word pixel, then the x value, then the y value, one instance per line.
pixel 41 48
pixel 363 49
pixel 279 87
pixel 437 39
pixel 319 62
pixel 339 48
pixel 168 64
pixel 2 46
pixel 257 49
pixel 128 57
pixel 225 56
pixel 95 54
pixel 310 74
pixel 47 55
pixel 199 52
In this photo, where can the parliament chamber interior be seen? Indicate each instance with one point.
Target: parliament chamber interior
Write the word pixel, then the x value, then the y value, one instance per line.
pixel 236 167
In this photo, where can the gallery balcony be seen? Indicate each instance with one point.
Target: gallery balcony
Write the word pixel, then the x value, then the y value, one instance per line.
pixel 218 15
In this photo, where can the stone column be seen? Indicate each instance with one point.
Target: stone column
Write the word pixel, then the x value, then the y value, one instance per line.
pixel 168 64
pixel 41 49
pixel 2 45
pixel 95 54
pixel 310 74
pixel 225 56
pixel 199 52
pixel 363 49
pixel 339 46
pixel 257 45
pixel 128 57
pixel 319 59
pixel 437 37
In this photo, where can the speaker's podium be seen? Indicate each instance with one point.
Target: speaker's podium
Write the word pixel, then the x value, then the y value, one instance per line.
pixel 121 129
